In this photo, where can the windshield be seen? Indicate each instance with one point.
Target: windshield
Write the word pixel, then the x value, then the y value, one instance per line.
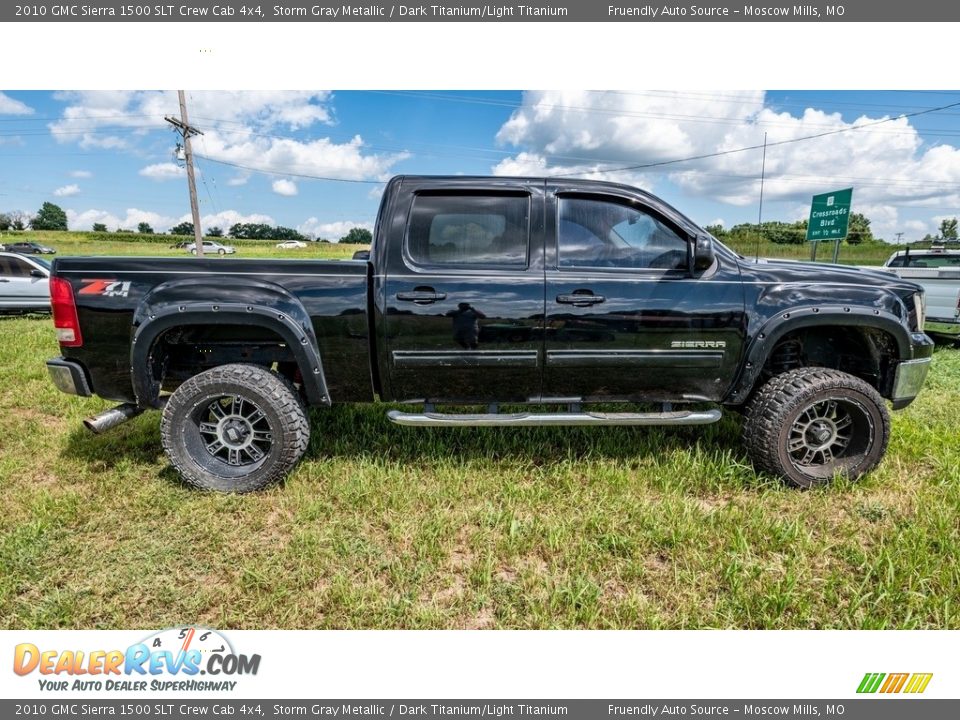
pixel 42 263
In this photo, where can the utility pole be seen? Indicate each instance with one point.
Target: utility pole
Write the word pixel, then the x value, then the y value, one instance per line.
pixel 187 131
pixel 899 235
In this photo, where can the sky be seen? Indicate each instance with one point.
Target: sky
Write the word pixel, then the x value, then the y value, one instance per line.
pixel 318 161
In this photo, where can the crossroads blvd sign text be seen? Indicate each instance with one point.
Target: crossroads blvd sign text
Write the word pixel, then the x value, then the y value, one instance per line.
pixel 829 215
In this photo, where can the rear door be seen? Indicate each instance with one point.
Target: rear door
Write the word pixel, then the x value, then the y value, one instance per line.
pixel 463 293
pixel 18 287
pixel 625 318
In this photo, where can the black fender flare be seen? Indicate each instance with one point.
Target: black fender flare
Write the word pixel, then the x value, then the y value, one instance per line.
pixel 232 301
pixel 787 321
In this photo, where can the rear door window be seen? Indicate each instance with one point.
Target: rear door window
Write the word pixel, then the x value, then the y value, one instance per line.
pixel 475 229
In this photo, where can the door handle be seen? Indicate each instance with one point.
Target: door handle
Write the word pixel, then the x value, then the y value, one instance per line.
pixel 4 280
pixel 580 299
pixel 421 296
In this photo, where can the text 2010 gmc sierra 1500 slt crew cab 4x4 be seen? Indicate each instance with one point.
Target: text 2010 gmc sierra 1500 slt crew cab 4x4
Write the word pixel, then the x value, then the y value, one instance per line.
pixel 545 293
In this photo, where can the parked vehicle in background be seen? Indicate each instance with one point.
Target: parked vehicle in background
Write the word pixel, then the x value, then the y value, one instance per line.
pixel 291 245
pixel 30 248
pixel 490 292
pixel 24 283
pixel 182 244
pixel 211 248
pixel 937 270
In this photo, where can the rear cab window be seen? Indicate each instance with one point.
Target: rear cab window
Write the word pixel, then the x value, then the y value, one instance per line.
pixel 475 229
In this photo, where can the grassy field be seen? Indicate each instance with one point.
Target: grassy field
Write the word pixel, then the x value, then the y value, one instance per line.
pixel 875 253
pixel 87 243
pixel 389 527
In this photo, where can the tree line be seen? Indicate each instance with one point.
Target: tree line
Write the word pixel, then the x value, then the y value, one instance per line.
pixel 53 217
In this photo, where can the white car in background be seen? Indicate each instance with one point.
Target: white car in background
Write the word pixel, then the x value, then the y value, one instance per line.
pixel 291 245
pixel 24 283
pixel 211 248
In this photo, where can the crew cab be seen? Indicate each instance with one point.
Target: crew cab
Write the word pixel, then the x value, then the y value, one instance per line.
pixel 553 297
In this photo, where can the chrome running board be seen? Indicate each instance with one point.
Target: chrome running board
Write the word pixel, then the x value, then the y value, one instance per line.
pixel 436 419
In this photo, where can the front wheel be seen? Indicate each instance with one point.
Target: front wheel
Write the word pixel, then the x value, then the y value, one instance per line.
pixel 811 424
pixel 235 428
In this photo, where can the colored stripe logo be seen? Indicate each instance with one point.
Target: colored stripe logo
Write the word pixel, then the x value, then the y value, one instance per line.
pixel 894 683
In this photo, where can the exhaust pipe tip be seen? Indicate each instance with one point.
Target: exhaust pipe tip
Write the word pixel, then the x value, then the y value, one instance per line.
pixel 109 419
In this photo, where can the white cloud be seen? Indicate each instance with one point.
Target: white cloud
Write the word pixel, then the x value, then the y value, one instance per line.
pixel 67 191
pixel 85 220
pixel 9 106
pixel 330 230
pixel 240 128
pixel 82 174
pixel 913 230
pixel 104 118
pixel 284 187
pixel 321 157
pixel 579 133
pixel 717 221
pixel 163 171
pixel 225 218
pixel 238 180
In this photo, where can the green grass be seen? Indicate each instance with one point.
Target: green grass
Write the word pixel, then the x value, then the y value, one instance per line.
pixel 89 243
pixel 389 527
pixel 875 253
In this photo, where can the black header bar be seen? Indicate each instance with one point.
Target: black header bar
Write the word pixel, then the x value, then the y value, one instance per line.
pixel 570 11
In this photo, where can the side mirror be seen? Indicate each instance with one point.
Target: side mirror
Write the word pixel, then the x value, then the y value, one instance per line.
pixel 702 254
pixel 38 273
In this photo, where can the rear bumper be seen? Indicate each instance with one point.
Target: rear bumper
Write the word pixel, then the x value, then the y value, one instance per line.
pixel 911 374
pixel 69 377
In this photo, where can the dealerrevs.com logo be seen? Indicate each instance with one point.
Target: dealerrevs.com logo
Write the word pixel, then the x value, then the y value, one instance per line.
pixel 178 659
pixel 890 683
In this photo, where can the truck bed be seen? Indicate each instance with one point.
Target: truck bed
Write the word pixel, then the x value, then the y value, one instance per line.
pixel 109 291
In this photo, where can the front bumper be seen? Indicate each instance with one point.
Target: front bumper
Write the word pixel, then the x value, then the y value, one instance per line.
pixel 69 377
pixel 911 374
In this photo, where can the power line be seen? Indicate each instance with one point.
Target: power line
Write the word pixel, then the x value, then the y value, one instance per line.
pixel 284 173
pixel 720 153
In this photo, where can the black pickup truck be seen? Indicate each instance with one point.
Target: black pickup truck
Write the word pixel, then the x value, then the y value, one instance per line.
pixel 545 294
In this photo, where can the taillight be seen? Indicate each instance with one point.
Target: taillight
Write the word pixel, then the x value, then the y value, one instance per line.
pixel 65 313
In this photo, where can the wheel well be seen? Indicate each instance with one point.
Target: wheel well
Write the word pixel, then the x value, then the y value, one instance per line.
pixel 864 352
pixel 184 351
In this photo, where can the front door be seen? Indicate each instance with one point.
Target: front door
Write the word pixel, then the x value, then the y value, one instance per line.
pixel 463 295
pixel 626 321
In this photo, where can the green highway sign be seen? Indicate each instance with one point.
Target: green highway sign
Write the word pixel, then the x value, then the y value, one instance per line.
pixel 829 215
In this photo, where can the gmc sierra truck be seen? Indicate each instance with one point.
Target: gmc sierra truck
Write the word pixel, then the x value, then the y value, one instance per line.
pixel 543 295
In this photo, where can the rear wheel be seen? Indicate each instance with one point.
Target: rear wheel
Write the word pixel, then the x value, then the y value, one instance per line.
pixel 811 424
pixel 235 428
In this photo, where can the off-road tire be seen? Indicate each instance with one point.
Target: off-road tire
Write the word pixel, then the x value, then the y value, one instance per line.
pixel 781 426
pixel 190 427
